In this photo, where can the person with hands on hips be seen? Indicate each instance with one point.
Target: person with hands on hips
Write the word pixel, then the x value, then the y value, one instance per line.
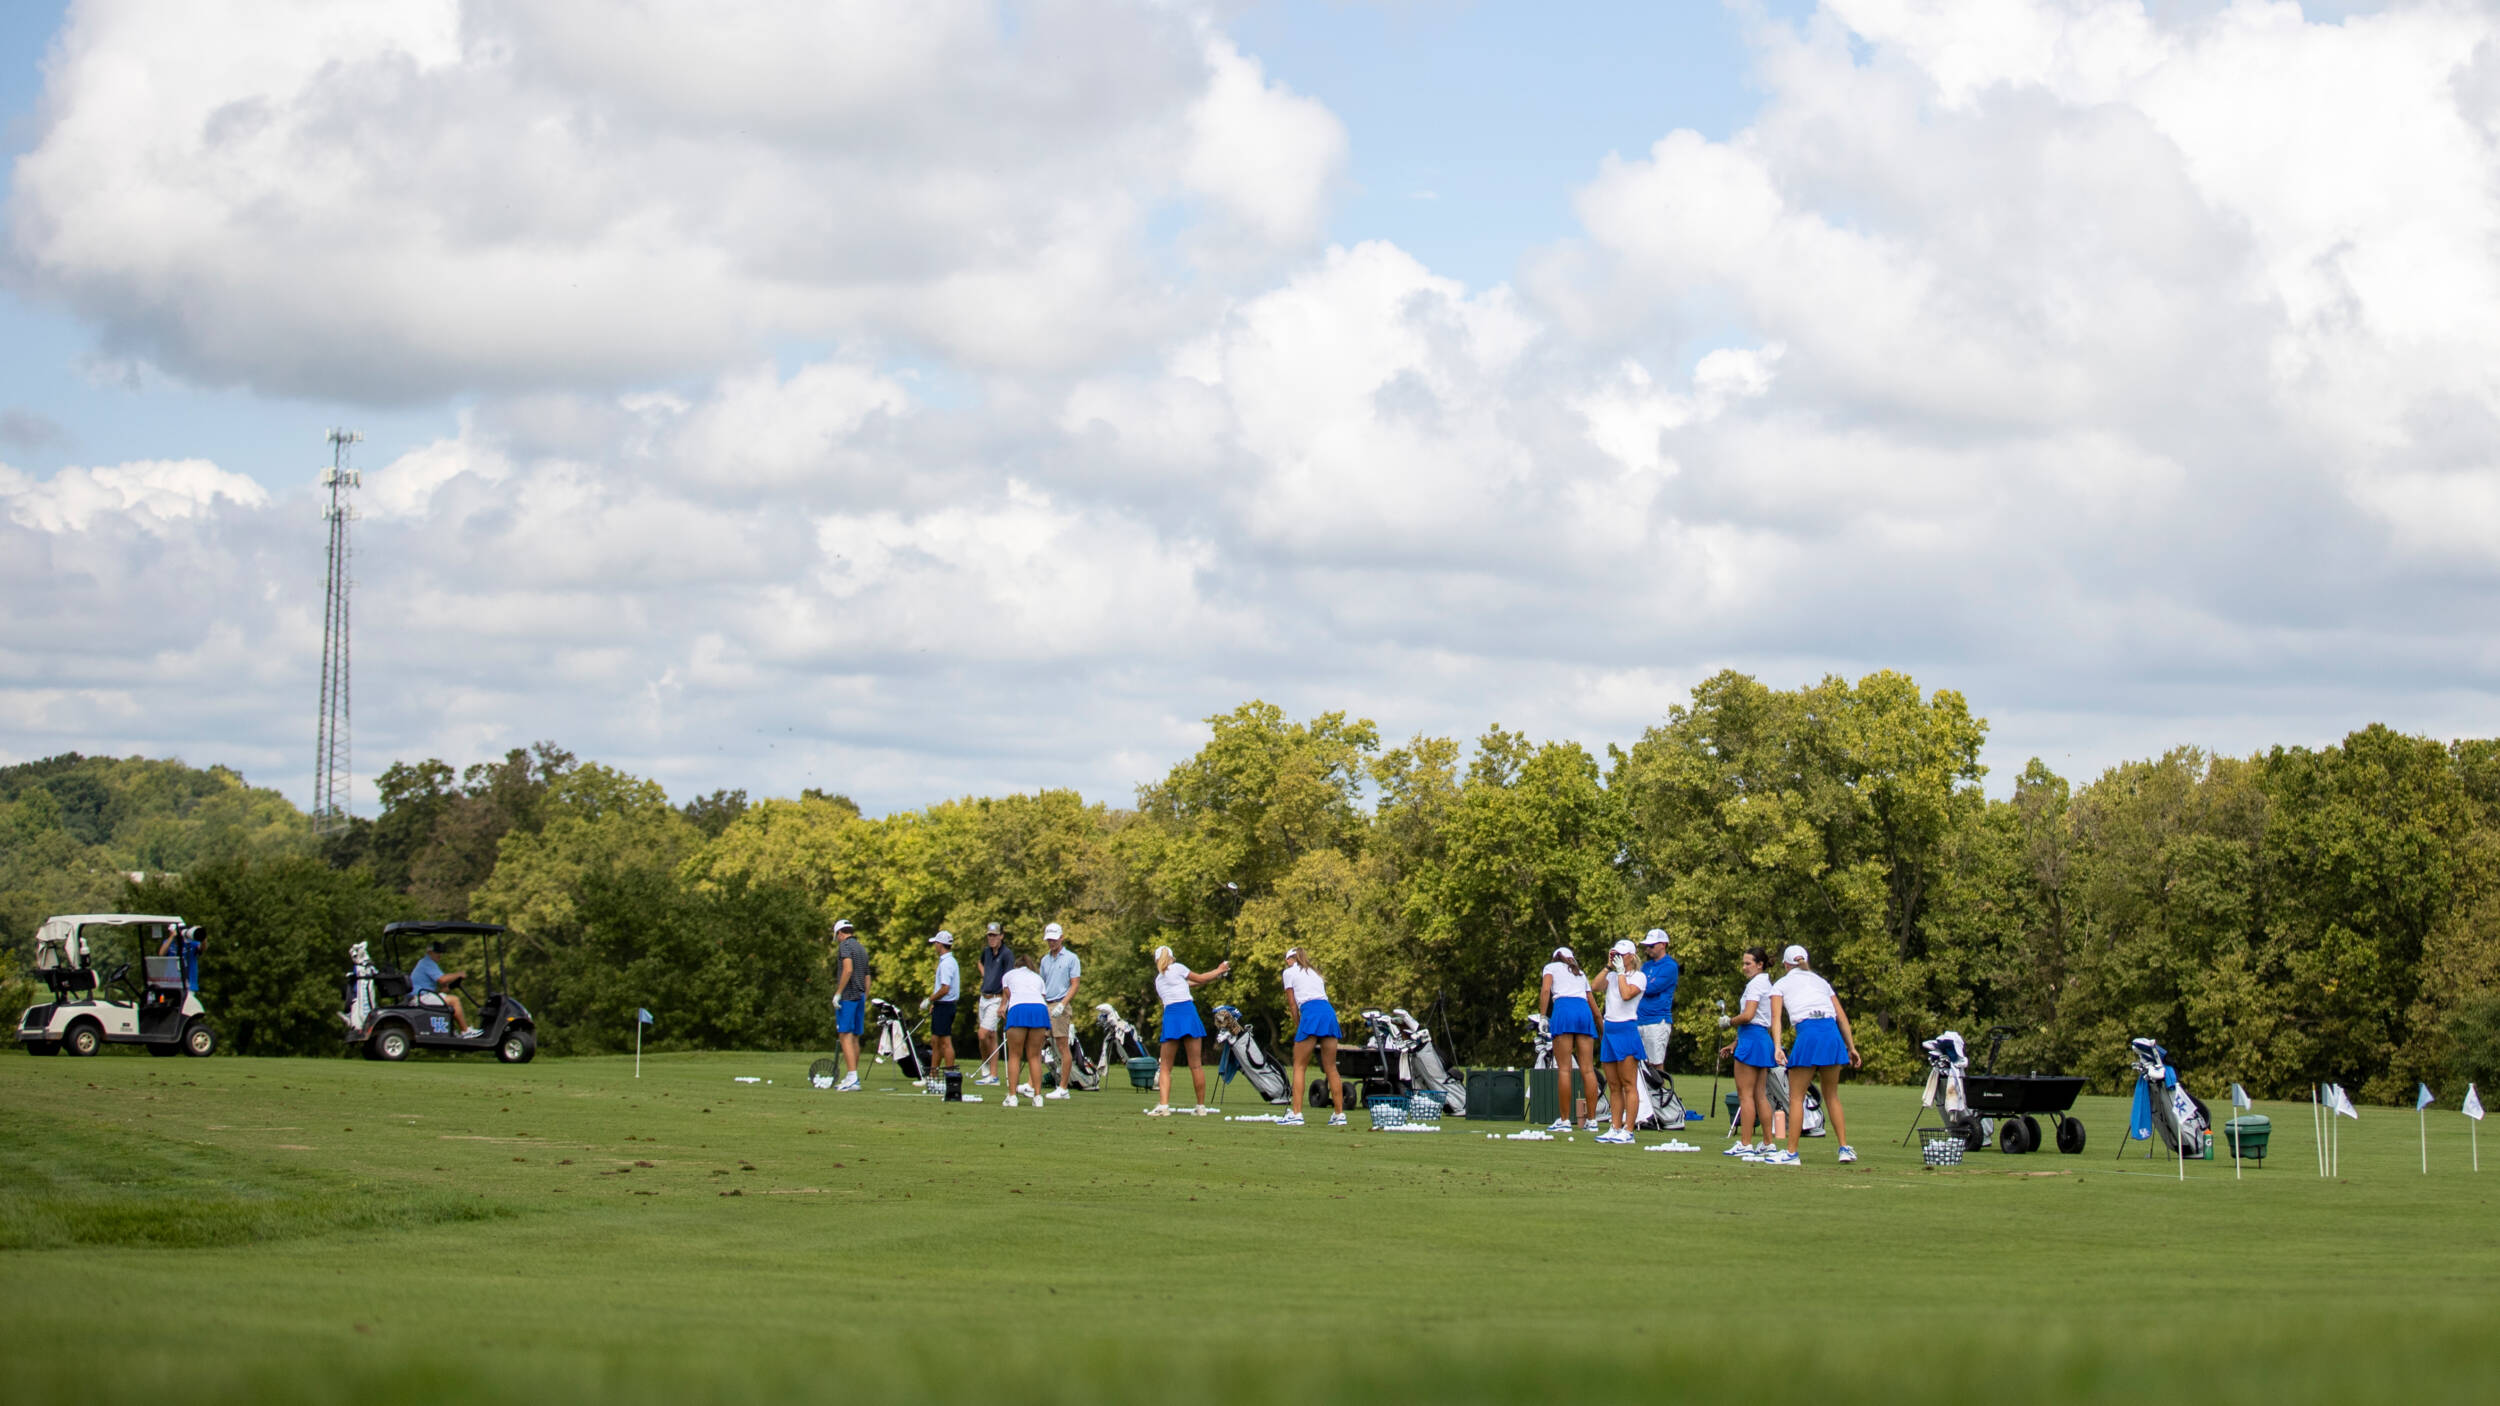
pixel 940 1005
pixel 1619 1047
pixel 1563 999
pixel 1183 1030
pixel 1314 1031
pixel 1806 1003
pixel 1659 976
pixel 1061 971
pixel 851 979
pixel 1756 1054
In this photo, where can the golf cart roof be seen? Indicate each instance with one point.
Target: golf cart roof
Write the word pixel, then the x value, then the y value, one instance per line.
pixel 435 929
pixel 82 919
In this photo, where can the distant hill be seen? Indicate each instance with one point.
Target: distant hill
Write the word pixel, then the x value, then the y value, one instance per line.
pixel 72 828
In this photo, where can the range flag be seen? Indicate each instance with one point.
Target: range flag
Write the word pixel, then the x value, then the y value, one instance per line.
pixel 2474 1110
pixel 2343 1103
pixel 642 1016
pixel 2422 1122
pixel 2239 1097
pixel 2422 1099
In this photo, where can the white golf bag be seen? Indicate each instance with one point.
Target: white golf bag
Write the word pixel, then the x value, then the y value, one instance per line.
pixel 1775 1088
pixel 896 1042
pixel 1423 1065
pixel 361 998
pixel 1084 1075
pixel 1541 1036
pixel 1233 1038
pixel 1662 1108
pixel 1120 1040
pixel 2163 1105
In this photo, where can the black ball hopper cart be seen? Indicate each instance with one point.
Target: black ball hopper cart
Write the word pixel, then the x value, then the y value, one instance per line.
pixel 2014 1103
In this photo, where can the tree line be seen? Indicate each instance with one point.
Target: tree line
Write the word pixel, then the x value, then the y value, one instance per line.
pixel 2277 919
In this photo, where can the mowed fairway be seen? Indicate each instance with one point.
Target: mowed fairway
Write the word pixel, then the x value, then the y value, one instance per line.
pixel 298 1230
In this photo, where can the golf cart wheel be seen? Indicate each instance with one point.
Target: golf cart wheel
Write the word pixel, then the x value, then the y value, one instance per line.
pixel 2032 1140
pixel 2012 1138
pixel 164 1051
pixel 43 1047
pixel 198 1041
pixel 2070 1135
pixel 84 1038
pixel 518 1047
pixel 392 1043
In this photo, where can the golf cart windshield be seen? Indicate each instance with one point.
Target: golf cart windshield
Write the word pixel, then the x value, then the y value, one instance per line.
pixel 74 941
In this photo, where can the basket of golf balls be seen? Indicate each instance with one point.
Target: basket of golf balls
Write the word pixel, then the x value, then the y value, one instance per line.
pixel 1386 1112
pixel 1943 1151
pixel 1423 1108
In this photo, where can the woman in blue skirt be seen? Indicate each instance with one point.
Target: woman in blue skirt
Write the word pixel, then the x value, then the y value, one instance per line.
pixel 1027 1028
pixel 1182 1029
pixel 1824 1043
pixel 1314 1031
pixel 1563 998
pixel 1756 1052
pixel 1619 1048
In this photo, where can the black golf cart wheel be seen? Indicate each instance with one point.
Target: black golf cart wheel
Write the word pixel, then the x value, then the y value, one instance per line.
pixel 164 1050
pixel 84 1038
pixel 2012 1138
pixel 1975 1135
pixel 43 1047
pixel 198 1040
pixel 391 1043
pixel 517 1047
pixel 2032 1141
pixel 2070 1135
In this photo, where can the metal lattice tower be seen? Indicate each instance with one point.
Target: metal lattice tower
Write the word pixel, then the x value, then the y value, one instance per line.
pixel 330 768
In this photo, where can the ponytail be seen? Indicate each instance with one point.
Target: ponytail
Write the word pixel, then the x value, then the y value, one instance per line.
pixel 1163 959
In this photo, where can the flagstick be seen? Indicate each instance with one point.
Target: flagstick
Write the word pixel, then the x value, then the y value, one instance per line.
pixel 2317 1130
pixel 2422 1125
pixel 637 1049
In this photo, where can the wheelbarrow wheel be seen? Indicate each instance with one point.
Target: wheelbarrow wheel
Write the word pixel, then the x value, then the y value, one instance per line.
pixel 2032 1141
pixel 2070 1135
pixel 2012 1138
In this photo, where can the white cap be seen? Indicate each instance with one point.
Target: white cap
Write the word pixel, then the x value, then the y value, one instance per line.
pixel 943 939
pixel 993 928
pixel 1624 948
pixel 844 925
pixel 1292 952
pixel 1795 956
pixel 1655 937
pixel 1053 934
pixel 1563 954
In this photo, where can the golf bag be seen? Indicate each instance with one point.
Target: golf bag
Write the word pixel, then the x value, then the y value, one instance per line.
pixel 1662 1108
pixel 1120 1040
pixel 1084 1074
pixel 361 997
pixel 895 1041
pixel 2163 1105
pixel 1948 1064
pixel 1424 1066
pixel 1775 1088
pixel 1240 1051
pixel 1541 1035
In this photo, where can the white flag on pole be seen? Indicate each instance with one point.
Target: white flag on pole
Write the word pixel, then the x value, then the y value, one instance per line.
pixel 2343 1104
pixel 2473 1104
pixel 2239 1097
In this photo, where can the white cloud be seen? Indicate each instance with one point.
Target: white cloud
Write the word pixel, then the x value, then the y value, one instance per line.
pixel 150 494
pixel 407 197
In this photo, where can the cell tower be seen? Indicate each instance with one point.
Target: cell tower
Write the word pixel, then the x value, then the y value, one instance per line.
pixel 330 769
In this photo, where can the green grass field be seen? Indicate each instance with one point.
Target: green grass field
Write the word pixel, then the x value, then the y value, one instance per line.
pixel 340 1231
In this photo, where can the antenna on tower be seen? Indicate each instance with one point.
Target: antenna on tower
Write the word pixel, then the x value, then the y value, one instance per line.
pixel 330 767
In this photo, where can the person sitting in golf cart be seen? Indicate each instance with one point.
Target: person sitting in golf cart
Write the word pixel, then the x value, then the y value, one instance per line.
pixel 426 981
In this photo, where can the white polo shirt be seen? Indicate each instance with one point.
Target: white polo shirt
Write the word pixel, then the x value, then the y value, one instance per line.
pixel 1172 984
pixel 1306 984
pixel 1618 1008
pixel 1806 996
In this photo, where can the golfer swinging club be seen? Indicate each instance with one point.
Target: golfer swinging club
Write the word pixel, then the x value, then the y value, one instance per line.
pixel 1563 997
pixel 1314 1027
pixel 1824 1042
pixel 1182 1029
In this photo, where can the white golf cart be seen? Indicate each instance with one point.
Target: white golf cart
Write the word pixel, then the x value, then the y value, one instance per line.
pixel 92 1007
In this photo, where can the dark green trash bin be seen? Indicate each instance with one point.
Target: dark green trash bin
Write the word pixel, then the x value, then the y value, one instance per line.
pixel 1496 1095
pixel 1544 1104
pixel 2248 1133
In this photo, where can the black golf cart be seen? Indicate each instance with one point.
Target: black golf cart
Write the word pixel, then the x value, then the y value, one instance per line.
pixel 388 1018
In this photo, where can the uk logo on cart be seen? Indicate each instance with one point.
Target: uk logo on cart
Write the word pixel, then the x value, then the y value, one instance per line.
pixel 442 1025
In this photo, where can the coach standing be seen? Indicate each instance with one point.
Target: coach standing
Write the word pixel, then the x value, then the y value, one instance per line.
pixel 1657 1018
pixel 850 1000
pixel 997 959
pixel 943 991
pixel 1061 971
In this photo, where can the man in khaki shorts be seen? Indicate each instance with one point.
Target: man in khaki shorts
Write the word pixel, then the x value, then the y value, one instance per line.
pixel 1061 971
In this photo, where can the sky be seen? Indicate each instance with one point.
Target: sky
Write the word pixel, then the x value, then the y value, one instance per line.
pixel 952 397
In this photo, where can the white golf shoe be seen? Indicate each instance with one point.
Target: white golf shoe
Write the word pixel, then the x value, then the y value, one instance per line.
pixel 1008 1102
pixel 849 1084
pixel 1057 1094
